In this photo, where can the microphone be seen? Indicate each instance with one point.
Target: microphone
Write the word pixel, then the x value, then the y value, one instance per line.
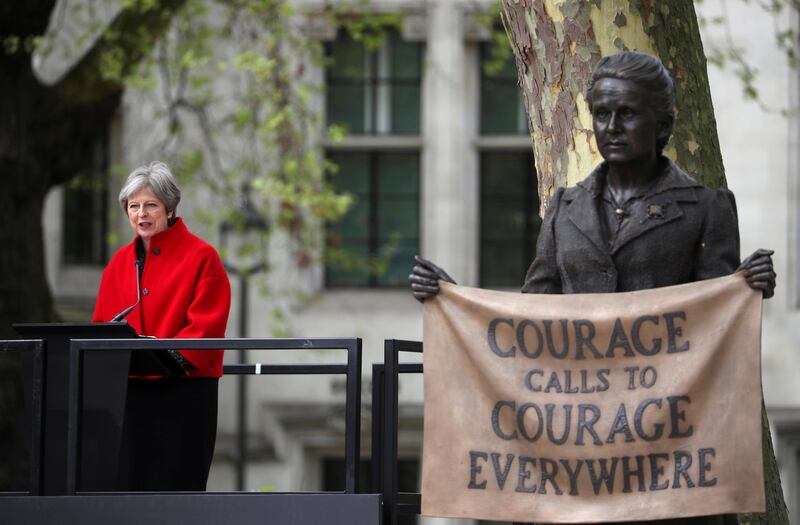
pixel 123 314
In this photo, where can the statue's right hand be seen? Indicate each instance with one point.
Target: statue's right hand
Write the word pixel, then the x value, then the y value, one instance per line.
pixel 424 279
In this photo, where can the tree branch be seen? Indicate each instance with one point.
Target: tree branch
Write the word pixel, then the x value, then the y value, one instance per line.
pixel 129 37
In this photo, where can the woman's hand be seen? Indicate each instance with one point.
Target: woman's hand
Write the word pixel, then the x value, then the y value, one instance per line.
pixel 424 279
pixel 759 272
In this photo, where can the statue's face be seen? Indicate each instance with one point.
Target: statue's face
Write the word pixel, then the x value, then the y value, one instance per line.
pixel 625 126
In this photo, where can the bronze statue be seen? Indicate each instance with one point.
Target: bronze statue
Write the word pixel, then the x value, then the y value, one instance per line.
pixel 637 221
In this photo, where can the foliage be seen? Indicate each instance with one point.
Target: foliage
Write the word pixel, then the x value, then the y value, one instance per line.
pixel 230 101
pixel 499 52
pixel 236 113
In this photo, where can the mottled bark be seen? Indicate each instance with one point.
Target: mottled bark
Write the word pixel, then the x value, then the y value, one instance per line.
pixel 672 28
pixel 556 44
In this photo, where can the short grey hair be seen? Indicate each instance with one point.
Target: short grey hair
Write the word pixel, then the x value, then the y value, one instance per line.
pixel 159 179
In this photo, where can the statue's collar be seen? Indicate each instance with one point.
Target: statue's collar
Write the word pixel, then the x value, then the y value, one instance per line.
pixel 671 177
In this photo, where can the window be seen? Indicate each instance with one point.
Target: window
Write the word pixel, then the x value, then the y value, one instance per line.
pixel 509 206
pixel 84 214
pixel 501 98
pixel 383 221
pixel 374 92
pixel 509 217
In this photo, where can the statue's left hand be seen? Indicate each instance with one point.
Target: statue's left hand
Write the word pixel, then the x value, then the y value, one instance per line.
pixel 425 277
pixel 759 271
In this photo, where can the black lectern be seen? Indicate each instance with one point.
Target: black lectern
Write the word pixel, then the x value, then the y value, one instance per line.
pixel 104 391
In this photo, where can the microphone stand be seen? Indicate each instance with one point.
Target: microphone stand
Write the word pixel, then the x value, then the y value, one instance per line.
pixel 123 314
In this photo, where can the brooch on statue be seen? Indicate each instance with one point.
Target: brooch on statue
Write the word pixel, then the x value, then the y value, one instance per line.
pixel 655 211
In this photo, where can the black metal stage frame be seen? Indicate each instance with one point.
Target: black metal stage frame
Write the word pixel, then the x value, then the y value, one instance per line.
pixel 385 422
pixel 383 505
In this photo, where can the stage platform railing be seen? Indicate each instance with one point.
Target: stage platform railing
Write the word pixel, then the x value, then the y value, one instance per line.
pixel 352 370
pixel 200 508
pixel 383 505
pixel 385 422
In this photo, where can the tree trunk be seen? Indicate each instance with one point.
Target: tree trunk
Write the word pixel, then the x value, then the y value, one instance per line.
pixel 47 137
pixel 43 142
pixel 556 44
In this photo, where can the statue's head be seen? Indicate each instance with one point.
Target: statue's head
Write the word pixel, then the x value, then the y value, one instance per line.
pixel 652 80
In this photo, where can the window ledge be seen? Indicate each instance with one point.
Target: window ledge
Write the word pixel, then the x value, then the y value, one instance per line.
pixel 503 141
pixel 369 142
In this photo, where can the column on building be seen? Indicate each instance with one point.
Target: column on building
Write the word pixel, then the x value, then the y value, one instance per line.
pixel 449 163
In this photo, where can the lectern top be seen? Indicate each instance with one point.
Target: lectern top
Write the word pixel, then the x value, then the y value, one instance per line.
pixel 73 329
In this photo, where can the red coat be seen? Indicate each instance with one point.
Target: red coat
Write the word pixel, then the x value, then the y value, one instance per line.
pixel 185 293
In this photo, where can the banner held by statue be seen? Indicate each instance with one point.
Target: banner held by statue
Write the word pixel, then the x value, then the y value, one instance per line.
pixel 593 407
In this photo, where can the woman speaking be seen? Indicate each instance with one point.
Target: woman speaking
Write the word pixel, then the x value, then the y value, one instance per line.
pixel 180 290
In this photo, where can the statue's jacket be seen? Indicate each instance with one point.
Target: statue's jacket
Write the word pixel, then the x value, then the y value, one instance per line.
pixel 678 232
